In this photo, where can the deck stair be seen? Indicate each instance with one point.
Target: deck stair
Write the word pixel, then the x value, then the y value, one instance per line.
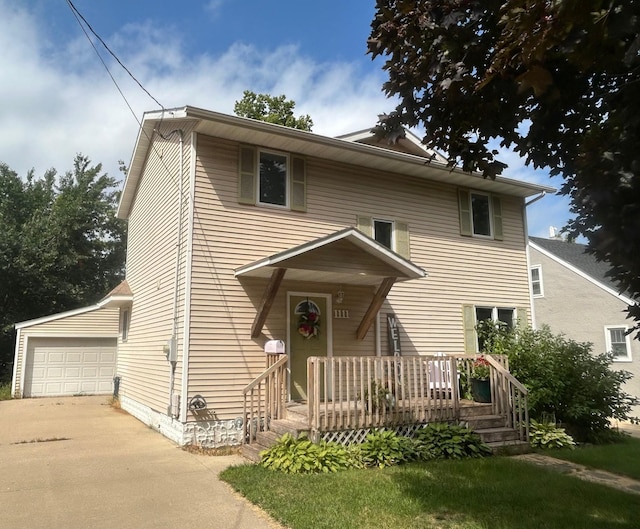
pixel 478 417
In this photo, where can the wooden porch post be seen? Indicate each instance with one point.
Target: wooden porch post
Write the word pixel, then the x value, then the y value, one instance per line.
pixel 267 301
pixel 374 307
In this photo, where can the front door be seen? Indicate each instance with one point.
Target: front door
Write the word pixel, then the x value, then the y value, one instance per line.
pixel 309 331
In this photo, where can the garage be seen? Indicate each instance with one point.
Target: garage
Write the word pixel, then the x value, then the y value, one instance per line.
pixel 69 366
pixel 69 353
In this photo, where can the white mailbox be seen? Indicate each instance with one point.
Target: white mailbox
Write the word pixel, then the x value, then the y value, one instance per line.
pixel 274 347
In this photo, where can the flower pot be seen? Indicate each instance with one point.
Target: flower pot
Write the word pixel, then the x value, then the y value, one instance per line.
pixel 481 390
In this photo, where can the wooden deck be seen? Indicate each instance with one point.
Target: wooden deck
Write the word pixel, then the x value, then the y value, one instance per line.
pixel 349 396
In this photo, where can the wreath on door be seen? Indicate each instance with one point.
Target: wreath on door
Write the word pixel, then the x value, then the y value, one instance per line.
pixel 309 324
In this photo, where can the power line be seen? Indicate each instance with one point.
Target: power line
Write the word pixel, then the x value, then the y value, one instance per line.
pixel 79 17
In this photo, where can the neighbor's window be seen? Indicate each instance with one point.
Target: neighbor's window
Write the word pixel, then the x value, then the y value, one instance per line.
pixel 125 324
pixel 480 214
pixel 536 281
pixel 383 232
pixel 273 179
pixel 618 342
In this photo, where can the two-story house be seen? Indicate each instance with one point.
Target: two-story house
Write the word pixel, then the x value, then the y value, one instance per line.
pixel 243 232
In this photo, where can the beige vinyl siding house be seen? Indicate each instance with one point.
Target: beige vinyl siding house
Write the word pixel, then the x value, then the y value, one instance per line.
pixel 239 229
pixel 573 297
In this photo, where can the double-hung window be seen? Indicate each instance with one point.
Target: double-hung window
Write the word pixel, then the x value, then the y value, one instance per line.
pixel 474 314
pixel 272 178
pixel 536 281
pixel 480 214
pixel 392 234
pixel 618 342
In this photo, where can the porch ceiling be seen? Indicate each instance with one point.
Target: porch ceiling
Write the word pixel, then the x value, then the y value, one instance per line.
pixel 345 257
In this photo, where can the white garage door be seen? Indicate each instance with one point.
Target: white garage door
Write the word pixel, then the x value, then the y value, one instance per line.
pixel 58 366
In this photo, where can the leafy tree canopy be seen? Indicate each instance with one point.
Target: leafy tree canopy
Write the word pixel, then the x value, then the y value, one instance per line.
pixel 61 246
pixel 556 80
pixel 271 109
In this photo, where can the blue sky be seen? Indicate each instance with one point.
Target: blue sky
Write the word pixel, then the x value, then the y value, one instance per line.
pixel 58 99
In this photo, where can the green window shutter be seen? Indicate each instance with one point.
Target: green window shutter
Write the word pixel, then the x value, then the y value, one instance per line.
pixel 497 218
pixel 247 176
pixel 469 326
pixel 402 239
pixel 521 316
pixel 298 184
pixel 365 225
pixel 464 207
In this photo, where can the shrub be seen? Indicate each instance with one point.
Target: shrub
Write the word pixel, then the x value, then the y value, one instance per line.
pixel 384 448
pixel 564 378
pixel 301 456
pixel 445 441
pixel 548 435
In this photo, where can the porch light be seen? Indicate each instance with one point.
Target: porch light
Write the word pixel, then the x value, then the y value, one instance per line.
pixel 340 295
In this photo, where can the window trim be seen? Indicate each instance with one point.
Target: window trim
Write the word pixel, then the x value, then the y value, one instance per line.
pixel 125 322
pixel 609 343
pixel 539 268
pixel 489 214
pixel 393 247
pixel 287 183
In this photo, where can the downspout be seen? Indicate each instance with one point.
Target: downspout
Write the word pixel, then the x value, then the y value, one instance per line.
pixel 526 235
pixel 173 361
pixel 187 287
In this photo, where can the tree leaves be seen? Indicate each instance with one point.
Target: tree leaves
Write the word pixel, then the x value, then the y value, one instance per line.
pixel 62 246
pixel 272 109
pixel 470 71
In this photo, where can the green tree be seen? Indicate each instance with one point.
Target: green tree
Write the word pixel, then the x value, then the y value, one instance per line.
pixel 62 246
pixel 271 109
pixel 556 80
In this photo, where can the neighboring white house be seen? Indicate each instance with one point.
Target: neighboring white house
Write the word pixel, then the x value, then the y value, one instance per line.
pixel 573 296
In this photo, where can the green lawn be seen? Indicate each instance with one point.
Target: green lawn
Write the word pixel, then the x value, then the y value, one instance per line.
pixel 619 458
pixel 5 391
pixel 490 493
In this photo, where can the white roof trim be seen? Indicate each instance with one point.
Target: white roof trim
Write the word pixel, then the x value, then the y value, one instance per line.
pixel 57 316
pixel 366 243
pixel 583 275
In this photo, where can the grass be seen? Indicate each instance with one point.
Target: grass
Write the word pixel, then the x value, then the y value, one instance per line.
pixel 620 458
pixel 5 391
pixel 496 493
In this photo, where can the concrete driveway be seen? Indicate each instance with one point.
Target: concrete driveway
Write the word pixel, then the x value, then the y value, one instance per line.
pixel 77 463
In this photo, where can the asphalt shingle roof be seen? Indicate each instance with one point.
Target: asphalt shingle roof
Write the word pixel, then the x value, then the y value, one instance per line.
pixel 575 254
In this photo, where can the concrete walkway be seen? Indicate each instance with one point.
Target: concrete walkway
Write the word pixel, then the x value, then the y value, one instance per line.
pixel 77 463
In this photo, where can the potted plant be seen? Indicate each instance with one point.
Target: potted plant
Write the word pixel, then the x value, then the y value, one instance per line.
pixel 480 384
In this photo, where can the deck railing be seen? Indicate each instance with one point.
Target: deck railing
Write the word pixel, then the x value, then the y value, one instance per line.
pixel 265 398
pixel 364 392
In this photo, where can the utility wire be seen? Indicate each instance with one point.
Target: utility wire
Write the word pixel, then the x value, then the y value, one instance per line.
pixel 79 16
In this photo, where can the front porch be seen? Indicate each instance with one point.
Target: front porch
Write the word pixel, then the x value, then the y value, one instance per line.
pixel 349 396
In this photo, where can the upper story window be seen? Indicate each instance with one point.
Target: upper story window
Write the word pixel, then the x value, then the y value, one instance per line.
pixel 536 281
pixel 271 178
pixel 272 184
pixel 383 232
pixel 618 342
pixel 480 214
pixel 392 234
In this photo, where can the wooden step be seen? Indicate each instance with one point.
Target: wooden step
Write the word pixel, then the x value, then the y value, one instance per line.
pixel 252 452
pixel 474 409
pixel 509 448
pixel 266 439
pixel 293 427
pixel 490 435
pixel 484 421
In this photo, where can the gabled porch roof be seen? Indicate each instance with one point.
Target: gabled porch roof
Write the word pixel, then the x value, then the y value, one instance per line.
pixel 344 257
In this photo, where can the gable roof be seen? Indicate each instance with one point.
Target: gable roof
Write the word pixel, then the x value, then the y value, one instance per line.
pixel 369 261
pixel 283 138
pixel 574 256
